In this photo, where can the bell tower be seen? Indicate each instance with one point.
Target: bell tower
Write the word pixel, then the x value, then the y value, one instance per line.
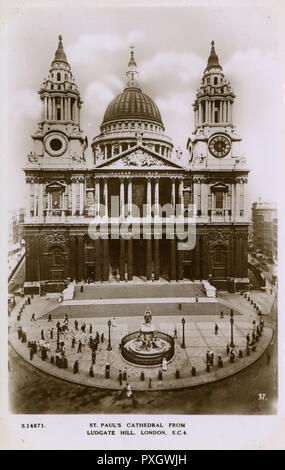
pixel 219 183
pixel 58 139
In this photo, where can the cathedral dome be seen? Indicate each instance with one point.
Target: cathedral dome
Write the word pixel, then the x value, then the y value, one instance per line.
pixel 132 104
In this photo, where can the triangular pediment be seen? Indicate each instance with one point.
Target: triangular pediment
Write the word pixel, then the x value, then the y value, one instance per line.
pixel 55 185
pixel 138 157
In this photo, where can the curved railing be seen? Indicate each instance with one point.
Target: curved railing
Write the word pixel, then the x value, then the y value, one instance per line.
pixel 147 361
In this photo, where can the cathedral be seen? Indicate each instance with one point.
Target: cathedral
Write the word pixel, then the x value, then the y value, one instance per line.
pixel 130 173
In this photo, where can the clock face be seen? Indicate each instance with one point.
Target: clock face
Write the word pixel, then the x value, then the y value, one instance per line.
pixel 55 144
pixel 219 146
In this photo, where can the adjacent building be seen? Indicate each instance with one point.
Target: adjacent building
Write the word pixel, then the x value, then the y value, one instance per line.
pixel 132 175
pixel 265 228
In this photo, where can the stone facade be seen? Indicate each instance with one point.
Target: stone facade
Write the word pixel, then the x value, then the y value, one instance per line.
pixel 68 195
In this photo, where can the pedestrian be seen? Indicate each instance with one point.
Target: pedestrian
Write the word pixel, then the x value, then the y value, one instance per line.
pixel 128 391
pixel 76 367
pixel 65 318
pixel 91 371
pixel 81 288
pixel 197 300
pixel 42 335
pixel 79 346
pixel 102 338
pixel 97 337
pixel 216 329
pixel 49 317
pixel 222 314
pixel 29 300
pixel 211 358
pixel 247 339
pixel 83 326
pixel 207 356
pixel 90 328
pixel 73 342
pixel 120 377
pixel 57 360
pixel 31 354
pixel 64 362
pixel 164 364
pixel 93 357
pixel 33 317
pixel 175 333
pixel 125 375
pixel 228 349
pixel 76 324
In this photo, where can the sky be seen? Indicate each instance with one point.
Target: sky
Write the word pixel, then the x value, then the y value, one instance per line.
pixel 172 45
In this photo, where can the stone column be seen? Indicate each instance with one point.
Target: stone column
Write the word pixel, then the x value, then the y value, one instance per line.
pixel 130 259
pixel 130 196
pixel 225 112
pixel 122 259
pixel 122 198
pixel 148 260
pixel 221 112
pixel 213 111
pixel 73 197
pixel 36 199
pixel 105 197
pixel 68 108
pixel 81 257
pixel 105 152
pixel 237 214
pixel 204 252
pixel 200 114
pixel 197 259
pixel 156 260
pixel 181 196
pixel 173 202
pixel 97 197
pixel 81 198
pixel 231 112
pixel 207 111
pixel 172 260
pixel 98 270
pixel 156 196
pixel 73 257
pixel 105 260
pixel 41 201
pixel 148 197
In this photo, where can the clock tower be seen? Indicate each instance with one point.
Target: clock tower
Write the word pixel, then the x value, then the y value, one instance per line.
pixel 219 184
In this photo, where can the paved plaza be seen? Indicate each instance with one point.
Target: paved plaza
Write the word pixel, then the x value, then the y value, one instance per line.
pixel 200 337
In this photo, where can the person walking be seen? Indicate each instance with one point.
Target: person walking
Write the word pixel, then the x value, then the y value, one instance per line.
pixel 42 335
pixel 76 324
pixel 76 367
pixel 33 317
pixel 90 329
pixel 222 314
pixel 102 338
pixel 49 317
pixel 216 329
pixel 247 339
pixel 175 333
pixel 79 347
pixel 120 377
pixel 128 391
pixel 73 342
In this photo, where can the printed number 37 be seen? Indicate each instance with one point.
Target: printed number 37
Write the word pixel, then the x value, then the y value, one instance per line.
pixel 261 396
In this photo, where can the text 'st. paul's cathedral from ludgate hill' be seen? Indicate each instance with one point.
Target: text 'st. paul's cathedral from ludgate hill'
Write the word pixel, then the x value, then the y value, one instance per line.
pixel 69 187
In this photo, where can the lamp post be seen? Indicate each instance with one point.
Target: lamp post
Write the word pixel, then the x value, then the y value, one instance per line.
pixel 183 334
pixel 232 329
pixel 109 347
pixel 57 338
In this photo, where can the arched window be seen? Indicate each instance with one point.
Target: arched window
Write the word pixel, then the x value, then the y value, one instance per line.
pixel 215 80
pixel 66 76
pixel 58 77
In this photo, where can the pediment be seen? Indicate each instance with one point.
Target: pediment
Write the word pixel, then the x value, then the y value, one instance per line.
pixel 139 157
pixel 55 185
pixel 219 187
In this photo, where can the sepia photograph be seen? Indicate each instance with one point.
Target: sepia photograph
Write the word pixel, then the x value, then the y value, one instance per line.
pixel 142 179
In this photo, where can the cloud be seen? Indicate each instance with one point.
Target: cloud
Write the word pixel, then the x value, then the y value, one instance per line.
pixel 185 66
pixel 87 46
pixel 99 93
pixel 26 103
